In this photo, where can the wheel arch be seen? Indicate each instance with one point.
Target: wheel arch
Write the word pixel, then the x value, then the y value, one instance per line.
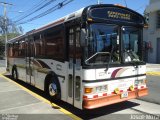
pixel 48 77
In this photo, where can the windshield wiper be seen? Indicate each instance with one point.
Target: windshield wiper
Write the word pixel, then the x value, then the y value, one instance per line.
pixel 94 55
pixel 111 54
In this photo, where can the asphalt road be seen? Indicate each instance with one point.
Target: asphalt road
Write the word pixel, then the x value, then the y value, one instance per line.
pixel 154 90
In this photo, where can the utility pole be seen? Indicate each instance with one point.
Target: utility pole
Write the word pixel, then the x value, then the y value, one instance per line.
pixel 5 28
pixel 99 2
pixel 125 3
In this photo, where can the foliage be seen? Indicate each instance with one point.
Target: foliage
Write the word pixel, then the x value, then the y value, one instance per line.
pixel 12 31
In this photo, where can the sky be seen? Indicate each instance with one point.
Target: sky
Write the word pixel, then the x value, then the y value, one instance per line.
pixel 22 7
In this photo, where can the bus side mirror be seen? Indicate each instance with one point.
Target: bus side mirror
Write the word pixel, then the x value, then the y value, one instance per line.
pixel 83 37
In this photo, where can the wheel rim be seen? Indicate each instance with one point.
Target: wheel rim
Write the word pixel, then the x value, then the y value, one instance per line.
pixel 52 89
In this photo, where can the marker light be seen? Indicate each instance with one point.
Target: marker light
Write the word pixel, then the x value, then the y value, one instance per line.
pixel 140 82
pixel 117 91
pixel 131 88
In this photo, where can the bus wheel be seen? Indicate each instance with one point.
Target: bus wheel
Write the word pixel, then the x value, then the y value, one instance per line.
pixel 53 89
pixel 14 74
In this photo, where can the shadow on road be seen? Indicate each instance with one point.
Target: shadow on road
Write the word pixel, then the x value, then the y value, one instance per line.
pixel 84 114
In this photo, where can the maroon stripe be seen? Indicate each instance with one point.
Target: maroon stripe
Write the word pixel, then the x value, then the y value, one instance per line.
pixel 115 72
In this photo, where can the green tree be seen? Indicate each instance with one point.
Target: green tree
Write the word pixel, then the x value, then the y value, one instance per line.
pixel 12 31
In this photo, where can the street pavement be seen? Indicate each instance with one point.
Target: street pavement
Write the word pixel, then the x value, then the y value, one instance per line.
pixel 16 101
pixel 153 83
pixel 124 111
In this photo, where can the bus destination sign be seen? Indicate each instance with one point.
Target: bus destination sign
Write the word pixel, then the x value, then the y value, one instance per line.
pixel 115 14
pixel 118 15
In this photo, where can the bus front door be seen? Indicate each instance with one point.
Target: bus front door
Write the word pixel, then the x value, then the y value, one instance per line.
pixel 29 61
pixel 74 68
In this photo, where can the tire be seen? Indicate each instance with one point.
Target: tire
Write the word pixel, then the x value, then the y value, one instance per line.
pixel 53 89
pixel 14 74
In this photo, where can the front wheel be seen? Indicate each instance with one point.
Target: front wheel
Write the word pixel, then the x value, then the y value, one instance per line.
pixel 53 89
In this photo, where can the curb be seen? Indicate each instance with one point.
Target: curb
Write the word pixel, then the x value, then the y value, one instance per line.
pixel 153 73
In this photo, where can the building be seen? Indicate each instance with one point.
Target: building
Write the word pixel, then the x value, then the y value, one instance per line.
pixel 152 32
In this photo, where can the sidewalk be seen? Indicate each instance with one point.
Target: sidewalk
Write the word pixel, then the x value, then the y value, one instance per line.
pixel 153 67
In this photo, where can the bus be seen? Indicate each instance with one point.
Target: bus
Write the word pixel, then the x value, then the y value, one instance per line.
pixel 89 59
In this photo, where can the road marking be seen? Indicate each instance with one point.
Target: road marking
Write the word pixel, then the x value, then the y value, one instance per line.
pixel 44 100
pixel 153 73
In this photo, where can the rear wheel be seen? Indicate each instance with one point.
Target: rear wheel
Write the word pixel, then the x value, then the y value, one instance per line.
pixel 14 74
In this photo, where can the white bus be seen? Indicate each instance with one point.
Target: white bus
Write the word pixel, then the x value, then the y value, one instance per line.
pixel 90 58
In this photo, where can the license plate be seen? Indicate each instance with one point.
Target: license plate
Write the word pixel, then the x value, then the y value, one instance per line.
pixel 124 95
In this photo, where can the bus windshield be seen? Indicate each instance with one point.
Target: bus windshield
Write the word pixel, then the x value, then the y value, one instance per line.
pixel 131 38
pixel 103 44
pixel 103 39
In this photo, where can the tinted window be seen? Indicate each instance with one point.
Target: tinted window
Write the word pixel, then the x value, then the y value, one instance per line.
pixel 103 42
pixel 54 43
pixel 131 38
pixel 39 45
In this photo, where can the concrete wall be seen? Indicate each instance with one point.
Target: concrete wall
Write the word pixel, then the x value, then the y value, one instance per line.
pixel 152 34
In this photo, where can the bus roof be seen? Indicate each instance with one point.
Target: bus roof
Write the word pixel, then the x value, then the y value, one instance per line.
pixel 69 17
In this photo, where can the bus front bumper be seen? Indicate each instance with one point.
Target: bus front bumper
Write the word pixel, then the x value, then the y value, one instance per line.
pixel 111 99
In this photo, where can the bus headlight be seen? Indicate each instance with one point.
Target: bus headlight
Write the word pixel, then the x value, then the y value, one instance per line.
pixel 105 88
pixel 140 82
pixel 102 88
pixel 98 89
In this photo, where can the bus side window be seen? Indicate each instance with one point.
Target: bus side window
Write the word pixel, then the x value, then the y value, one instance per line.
pixel 55 43
pixel 39 45
pixel 78 49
